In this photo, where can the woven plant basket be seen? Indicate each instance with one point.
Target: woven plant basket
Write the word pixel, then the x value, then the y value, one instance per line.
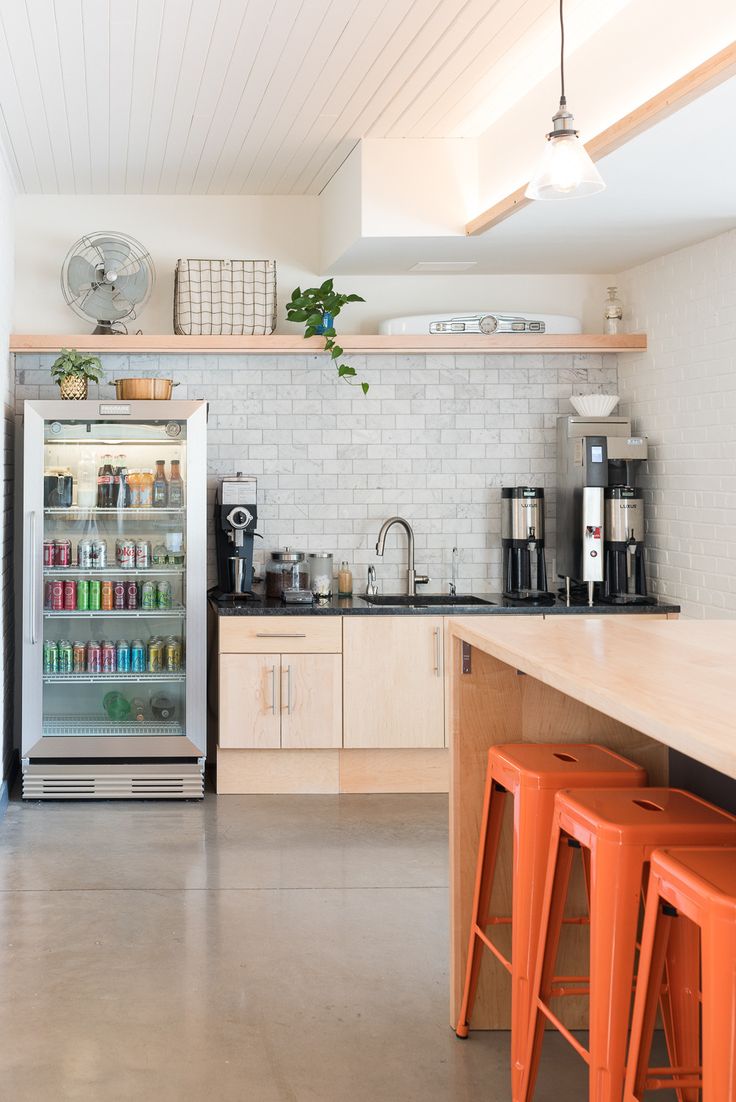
pixel 73 387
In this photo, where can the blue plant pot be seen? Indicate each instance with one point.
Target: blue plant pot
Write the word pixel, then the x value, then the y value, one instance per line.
pixel 327 320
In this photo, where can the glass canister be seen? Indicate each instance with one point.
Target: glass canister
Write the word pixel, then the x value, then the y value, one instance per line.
pixel 320 574
pixel 286 570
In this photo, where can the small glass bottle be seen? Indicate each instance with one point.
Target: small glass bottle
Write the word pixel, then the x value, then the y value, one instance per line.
pixel 344 580
pixel 176 486
pixel 160 487
pixel 613 312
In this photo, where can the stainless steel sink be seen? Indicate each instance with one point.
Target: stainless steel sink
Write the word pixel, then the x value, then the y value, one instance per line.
pixel 424 600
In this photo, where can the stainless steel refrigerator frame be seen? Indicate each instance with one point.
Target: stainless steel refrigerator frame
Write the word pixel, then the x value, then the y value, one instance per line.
pixel 92 766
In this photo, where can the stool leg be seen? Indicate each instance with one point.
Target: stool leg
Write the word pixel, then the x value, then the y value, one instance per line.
pixel 648 985
pixel 681 1004
pixel 615 900
pixel 550 927
pixel 533 818
pixel 719 1010
pixel 490 833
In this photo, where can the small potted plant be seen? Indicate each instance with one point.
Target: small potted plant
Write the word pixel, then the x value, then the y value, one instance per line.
pixel 318 307
pixel 72 371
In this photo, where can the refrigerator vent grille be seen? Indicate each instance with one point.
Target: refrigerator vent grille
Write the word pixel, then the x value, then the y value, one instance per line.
pixel 65 726
pixel 113 782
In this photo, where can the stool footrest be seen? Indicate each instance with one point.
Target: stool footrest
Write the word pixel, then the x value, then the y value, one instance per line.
pixel 550 1014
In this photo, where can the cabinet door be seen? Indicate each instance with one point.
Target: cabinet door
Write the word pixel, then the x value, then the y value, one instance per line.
pixel 249 701
pixel 311 701
pixel 393 683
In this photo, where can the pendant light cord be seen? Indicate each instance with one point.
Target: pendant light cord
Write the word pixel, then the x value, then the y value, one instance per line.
pixel 563 101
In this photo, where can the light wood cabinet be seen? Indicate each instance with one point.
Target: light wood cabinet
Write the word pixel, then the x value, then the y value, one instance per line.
pixel 274 634
pixel 311 701
pixel 393 683
pixel 250 709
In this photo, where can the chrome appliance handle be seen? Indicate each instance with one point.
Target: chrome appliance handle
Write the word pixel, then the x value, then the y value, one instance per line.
pixel 281 635
pixel 437 653
pixel 33 577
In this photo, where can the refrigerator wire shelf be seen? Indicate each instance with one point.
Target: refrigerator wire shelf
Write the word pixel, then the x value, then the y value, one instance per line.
pixel 120 675
pixel 96 510
pixel 105 573
pixel 116 613
pixel 91 726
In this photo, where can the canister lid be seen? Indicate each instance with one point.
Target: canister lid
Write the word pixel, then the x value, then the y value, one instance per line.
pixel 522 491
pixel 287 555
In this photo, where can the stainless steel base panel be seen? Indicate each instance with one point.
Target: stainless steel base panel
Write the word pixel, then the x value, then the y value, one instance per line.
pixel 76 781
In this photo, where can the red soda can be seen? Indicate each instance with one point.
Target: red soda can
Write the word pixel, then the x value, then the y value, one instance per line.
pixel 70 595
pixel 94 657
pixel 131 595
pixel 57 596
pixel 47 599
pixel 109 657
pixel 48 552
pixel 62 552
pixel 118 595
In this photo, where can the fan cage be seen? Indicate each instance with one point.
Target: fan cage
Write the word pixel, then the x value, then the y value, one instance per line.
pixel 225 297
pixel 88 248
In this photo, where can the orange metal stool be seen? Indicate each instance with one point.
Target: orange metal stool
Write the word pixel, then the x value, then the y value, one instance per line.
pixel 697 888
pixel 532 773
pixel 620 829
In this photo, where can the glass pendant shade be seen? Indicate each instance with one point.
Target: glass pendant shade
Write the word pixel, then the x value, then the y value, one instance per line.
pixel 565 171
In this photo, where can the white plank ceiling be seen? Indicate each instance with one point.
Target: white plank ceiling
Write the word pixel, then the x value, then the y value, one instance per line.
pixel 254 96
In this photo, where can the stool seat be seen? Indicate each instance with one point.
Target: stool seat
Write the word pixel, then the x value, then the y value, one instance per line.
pixel 698 879
pixel 556 765
pixel 655 817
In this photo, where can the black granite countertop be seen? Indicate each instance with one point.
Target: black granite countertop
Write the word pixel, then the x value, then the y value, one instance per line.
pixel 497 605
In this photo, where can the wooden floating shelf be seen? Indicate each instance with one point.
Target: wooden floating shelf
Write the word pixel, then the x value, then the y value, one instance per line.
pixel 285 344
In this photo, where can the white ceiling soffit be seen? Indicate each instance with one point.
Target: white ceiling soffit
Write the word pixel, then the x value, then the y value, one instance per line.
pixel 255 96
pixel 667 188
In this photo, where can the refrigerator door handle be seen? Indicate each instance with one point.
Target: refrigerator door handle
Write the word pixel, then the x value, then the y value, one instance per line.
pixel 32 575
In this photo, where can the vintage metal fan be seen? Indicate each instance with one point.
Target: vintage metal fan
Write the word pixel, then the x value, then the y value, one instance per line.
pixel 107 277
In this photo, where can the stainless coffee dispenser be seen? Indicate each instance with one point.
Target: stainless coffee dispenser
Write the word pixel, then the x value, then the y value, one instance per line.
pixel 593 454
pixel 522 540
pixel 235 527
pixel 624 579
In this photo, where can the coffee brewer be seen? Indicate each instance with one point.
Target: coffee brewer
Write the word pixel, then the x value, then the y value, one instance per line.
pixel 600 513
pixel 522 540
pixel 235 523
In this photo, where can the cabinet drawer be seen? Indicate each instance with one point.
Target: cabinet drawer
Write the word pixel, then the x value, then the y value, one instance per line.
pixel 280 634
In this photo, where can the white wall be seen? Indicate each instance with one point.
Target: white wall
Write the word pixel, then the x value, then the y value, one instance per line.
pixel 7 388
pixel 682 394
pixel 287 228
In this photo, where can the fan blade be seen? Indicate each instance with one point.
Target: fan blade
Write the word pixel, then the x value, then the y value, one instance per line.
pixel 114 253
pixel 100 305
pixel 80 275
pixel 133 287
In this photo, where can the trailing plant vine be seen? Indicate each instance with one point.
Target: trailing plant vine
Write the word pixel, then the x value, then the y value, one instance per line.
pixel 317 308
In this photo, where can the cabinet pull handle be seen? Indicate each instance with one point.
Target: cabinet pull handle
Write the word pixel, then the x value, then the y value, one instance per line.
pixel 281 635
pixel 287 671
pixel 437 653
pixel 33 578
pixel 273 690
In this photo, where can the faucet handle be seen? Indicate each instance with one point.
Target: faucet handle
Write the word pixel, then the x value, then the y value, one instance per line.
pixel 421 579
pixel 371 588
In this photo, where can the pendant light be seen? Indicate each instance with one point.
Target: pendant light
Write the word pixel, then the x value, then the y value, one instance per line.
pixel 566 170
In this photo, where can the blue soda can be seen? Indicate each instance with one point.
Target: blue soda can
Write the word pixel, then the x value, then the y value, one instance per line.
pixel 138 656
pixel 123 656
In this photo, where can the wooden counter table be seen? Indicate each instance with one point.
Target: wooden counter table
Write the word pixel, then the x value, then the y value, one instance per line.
pixel 635 684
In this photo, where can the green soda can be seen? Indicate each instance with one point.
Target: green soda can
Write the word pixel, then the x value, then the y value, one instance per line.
pixel 66 656
pixel 149 595
pixel 50 656
pixel 93 595
pixel 83 595
pixel 164 595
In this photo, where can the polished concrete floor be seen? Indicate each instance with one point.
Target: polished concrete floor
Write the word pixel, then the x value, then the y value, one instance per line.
pixel 245 949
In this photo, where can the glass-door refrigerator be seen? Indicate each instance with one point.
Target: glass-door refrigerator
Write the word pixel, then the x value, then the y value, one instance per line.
pixel 113 599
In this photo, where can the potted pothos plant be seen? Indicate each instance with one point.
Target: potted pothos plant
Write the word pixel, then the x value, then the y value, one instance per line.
pixel 317 308
pixel 73 371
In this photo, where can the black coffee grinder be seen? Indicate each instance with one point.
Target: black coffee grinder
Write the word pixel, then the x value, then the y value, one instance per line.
pixel 522 539
pixel 235 528
pixel 625 581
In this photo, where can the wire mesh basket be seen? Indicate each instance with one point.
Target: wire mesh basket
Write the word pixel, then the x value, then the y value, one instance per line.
pixel 225 297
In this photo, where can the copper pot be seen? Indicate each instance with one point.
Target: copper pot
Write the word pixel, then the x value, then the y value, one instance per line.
pixel 136 390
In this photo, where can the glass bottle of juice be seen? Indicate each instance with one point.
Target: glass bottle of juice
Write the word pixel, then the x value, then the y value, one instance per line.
pixel 146 488
pixel 176 486
pixel 160 487
pixel 134 488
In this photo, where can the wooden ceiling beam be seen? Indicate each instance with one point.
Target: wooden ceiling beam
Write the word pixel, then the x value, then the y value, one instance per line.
pixel 687 88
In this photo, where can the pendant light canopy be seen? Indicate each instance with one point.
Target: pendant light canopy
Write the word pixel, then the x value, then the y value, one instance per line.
pixel 566 170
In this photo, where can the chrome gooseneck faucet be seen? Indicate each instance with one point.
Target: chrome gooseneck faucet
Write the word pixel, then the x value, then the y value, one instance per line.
pixel 412 578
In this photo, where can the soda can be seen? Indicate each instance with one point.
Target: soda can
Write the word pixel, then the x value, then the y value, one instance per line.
pixel 142 555
pixel 66 656
pixel 85 554
pixel 99 554
pixel 57 596
pixel 173 654
pixel 109 657
pixel 138 656
pixel 131 595
pixel 149 595
pixel 118 595
pixel 155 656
pixel 83 595
pixel 47 599
pixel 70 595
pixel 50 656
pixel 62 552
pixel 123 656
pixel 106 596
pixel 94 657
pixel 80 656
pixel 163 595
pixel 48 552
pixel 125 553
pixel 94 595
